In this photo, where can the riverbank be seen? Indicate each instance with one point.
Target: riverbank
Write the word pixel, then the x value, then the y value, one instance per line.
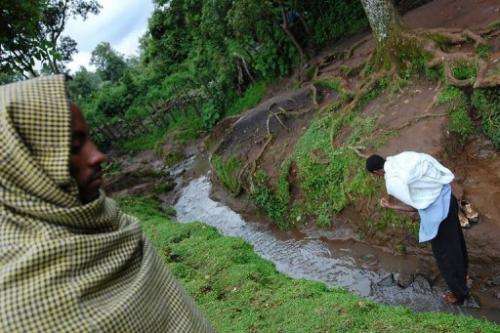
pixel 241 292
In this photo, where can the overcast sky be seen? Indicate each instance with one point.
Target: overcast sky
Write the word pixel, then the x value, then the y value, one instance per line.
pixel 120 22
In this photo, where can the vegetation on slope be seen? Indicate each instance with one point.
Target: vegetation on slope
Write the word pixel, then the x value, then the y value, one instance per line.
pixel 207 60
pixel 240 292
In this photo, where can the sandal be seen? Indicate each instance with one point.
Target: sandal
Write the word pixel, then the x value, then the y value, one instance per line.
pixel 464 221
pixel 471 214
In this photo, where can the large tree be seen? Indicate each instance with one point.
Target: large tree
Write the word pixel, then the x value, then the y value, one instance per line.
pixel 383 18
pixel 31 34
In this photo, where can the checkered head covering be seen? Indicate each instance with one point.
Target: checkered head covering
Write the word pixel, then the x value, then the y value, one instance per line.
pixel 65 266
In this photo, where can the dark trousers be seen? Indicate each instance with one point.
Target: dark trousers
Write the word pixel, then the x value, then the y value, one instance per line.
pixel 450 252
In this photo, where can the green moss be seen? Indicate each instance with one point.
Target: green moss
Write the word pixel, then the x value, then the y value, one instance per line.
pixel 442 41
pixel 346 70
pixel 406 52
pixel 487 102
pixel 494 25
pixel 227 173
pixel 240 292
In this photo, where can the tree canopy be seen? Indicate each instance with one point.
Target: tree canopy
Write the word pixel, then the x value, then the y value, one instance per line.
pixel 31 32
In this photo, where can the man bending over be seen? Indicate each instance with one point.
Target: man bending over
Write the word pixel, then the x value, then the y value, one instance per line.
pixel 418 182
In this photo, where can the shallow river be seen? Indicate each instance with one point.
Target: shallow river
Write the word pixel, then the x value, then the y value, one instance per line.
pixel 360 268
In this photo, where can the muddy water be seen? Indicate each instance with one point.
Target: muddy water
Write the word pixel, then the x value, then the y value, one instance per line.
pixel 359 268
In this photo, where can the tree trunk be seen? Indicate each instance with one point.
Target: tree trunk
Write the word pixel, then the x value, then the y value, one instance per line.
pixel 383 18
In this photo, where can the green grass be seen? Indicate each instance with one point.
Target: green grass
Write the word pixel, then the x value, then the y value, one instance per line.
pixel 484 51
pixel 227 172
pixel 458 104
pixel 252 96
pixel 188 124
pixel 240 292
pixel 464 70
pixel 330 178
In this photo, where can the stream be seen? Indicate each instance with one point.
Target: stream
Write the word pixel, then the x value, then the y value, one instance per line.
pixel 315 255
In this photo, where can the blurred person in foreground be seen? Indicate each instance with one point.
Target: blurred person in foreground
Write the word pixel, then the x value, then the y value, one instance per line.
pixel 70 260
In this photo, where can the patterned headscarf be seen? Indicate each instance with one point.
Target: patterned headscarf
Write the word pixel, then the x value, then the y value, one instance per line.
pixel 65 266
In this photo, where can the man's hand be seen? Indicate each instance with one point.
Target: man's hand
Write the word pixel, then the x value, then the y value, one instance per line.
pixel 386 203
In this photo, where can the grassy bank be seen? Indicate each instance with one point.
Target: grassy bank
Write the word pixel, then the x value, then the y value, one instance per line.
pixel 240 292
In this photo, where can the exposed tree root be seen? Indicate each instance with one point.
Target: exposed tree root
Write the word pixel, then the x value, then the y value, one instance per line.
pixel 416 120
pixel 251 165
pixel 357 150
pixel 314 95
pixel 367 87
pixel 453 37
pixel 353 48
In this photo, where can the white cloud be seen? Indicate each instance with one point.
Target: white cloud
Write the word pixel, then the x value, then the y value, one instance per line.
pixel 120 23
pixel 80 59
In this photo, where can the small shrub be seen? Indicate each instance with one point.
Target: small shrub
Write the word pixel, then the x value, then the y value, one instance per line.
pixel 461 124
pixel 334 85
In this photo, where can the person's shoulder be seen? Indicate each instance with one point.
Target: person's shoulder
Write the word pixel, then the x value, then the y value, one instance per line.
pixel 406 157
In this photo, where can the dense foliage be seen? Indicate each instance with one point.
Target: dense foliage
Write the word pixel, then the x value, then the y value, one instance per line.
pixel 199 57
pixel 31 35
